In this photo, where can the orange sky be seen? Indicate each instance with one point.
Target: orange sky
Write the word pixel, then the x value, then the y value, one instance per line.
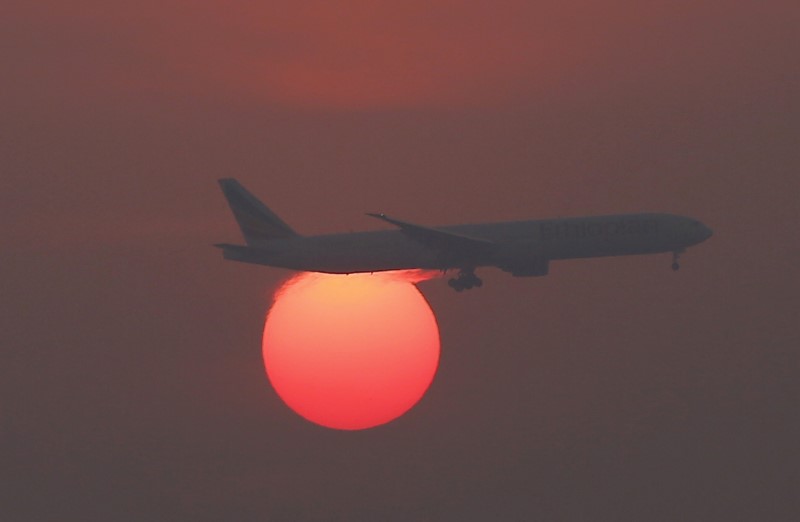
pixel 362 54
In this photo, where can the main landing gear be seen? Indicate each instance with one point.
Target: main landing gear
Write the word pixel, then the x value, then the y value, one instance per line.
pixel 466 279
pixel 675 265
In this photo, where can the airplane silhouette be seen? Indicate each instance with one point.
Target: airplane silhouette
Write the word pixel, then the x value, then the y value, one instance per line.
pixel 522 248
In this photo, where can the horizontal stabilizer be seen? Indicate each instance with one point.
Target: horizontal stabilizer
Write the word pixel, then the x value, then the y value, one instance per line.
pixel 237 252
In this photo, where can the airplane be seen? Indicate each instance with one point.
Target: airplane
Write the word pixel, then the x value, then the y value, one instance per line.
pixel 522 248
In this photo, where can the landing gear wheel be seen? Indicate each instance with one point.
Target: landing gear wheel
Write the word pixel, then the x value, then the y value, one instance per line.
pixel 455 284
pixel 676 266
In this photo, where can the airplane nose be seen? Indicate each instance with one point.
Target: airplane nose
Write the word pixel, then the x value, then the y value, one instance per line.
pixel 707 232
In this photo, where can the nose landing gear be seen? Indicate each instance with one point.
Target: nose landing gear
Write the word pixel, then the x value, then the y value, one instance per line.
pixel 675 265
pixel 466 279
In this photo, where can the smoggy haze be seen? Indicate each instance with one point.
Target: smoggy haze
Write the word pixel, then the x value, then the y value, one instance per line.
pixel 132 381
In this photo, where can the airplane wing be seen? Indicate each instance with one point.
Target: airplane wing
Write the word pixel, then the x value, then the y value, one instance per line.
pixel 440 239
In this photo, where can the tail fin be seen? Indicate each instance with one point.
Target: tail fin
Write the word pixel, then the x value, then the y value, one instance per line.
pixel 258 223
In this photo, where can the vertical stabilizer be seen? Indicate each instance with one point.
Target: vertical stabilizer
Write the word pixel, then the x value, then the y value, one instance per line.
pixel 257 222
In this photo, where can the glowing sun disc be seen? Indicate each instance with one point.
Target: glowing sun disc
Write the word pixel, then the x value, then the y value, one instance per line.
pixel 350 352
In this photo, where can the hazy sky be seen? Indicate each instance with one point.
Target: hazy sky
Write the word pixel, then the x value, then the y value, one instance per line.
pixel 613 389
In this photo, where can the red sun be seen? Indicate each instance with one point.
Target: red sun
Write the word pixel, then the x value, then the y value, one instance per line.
pixel 350 351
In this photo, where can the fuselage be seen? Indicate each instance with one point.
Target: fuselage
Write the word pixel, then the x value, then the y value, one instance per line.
pixel 517 246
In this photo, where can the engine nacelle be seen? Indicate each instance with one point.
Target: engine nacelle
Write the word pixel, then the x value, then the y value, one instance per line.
pixel 528 268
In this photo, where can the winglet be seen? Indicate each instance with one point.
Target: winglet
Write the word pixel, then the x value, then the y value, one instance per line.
pixel 381 216
pixel 395 222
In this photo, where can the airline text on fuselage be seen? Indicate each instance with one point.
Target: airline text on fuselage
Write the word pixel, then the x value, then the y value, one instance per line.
pixel 571 229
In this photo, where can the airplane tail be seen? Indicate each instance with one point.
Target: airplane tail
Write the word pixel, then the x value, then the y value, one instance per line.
pixel 257 222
